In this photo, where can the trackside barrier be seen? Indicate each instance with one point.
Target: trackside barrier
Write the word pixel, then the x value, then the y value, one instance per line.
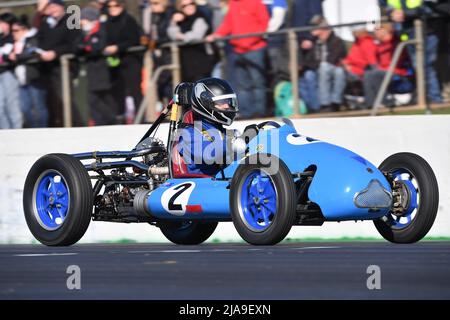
pixel 374 138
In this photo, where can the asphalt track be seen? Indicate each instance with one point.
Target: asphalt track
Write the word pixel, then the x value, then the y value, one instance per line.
pixel 307 270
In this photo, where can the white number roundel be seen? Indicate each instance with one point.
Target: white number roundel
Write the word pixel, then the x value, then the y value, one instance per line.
pixel 297 139
pixel 175 199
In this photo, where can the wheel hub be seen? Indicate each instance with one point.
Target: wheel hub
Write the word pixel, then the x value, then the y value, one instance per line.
pixel 51 200
pixel 258 201
pixel 402 198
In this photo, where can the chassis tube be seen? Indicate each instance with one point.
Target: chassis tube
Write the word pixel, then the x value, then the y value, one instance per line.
pixel 116 164
pixel 117 154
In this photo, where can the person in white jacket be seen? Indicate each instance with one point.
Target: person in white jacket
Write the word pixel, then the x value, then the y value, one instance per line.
pixel 277 43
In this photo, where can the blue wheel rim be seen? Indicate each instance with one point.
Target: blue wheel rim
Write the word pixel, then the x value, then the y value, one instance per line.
pixel 258 201
pixel 400 222
pixel 51 200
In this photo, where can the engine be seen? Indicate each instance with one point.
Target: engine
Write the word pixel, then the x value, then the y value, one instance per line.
pixel 118 188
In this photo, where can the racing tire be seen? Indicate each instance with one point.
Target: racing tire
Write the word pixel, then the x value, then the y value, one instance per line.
pixel 58 200
pixel 188 232
pixel 422 203
pixel 263 200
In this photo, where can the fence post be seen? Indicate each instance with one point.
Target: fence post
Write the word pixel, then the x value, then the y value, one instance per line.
pixel 150 87
pixel 388 76
pixel 66 92
pixel 176 72
pixel 293 67
pixel 420 64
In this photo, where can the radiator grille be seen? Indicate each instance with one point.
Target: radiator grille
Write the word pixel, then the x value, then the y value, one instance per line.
pixel 373 197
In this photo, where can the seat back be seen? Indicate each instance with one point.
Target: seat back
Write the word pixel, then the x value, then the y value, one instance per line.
pixel 179 167
pixel 188 117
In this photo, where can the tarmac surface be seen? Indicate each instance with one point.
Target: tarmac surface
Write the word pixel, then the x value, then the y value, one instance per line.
pixel 322 270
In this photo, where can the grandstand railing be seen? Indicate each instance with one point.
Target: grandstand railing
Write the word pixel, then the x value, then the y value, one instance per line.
pixel 293 45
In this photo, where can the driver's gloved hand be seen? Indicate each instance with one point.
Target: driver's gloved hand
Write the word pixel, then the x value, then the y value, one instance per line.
pixel 239 146
pixel 236 146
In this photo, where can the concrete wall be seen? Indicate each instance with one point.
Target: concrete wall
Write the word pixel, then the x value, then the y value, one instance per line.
pixel 373 138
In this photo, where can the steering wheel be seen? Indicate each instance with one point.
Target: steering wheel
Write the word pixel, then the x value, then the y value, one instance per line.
pixel 252 130
pixel 268 123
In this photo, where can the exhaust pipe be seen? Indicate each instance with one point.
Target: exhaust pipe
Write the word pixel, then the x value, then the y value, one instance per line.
pixel 140 203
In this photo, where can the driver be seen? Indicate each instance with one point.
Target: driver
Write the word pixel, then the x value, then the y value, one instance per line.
pixel 206 146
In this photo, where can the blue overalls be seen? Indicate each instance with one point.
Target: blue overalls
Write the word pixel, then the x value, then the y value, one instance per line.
pixel 203 147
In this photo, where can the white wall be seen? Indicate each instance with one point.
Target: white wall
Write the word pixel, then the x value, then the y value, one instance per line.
pixel 348 11
pixel 373 138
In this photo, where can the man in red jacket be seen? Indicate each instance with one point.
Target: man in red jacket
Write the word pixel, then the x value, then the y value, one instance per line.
pixel 362 54
pixel 386 44
pixel 246 59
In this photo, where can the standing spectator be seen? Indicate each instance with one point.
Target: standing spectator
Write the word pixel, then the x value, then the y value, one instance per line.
pixel 220 9
pixel 159 20
pixel 102 6
pixel 204 6
pixel 442 9
pixel 190 24
pixel 123 32
pixel 10 114
pixel 32 90
pixel 276 49
pixel 323 63
pixel 247 57
pixel 404 13
pixel 387 42
pixel 102 105
pixel 303 12
pixel 39 16
pixel 56 39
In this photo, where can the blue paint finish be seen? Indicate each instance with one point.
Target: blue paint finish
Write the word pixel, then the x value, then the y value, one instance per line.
pixel 340 173
pixel 258 200
pixel 52 201
pixel 212 195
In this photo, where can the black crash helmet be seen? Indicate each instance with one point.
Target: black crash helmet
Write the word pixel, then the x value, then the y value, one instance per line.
pixel 207 97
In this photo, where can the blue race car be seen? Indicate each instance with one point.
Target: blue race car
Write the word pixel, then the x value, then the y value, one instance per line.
pixel 282 179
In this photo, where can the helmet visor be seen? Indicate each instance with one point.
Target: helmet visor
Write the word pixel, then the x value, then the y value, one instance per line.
pixel 226 103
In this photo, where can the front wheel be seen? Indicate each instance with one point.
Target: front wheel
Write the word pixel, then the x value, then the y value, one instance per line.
pixel 416 199
pixel 57 200
pixel 263 201
pixel 188 232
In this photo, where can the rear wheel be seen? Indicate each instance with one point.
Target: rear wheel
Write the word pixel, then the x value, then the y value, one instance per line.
pixel 262 201
pixel 57 200
pixel 188 232
pixel 416 199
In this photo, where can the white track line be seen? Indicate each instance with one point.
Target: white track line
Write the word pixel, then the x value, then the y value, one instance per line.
pixel 224 250
pixel 313 248
pixel 181 251
pixel 45 254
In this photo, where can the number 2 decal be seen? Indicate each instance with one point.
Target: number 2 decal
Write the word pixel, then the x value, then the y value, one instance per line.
pixel 182 187
pixel 175 199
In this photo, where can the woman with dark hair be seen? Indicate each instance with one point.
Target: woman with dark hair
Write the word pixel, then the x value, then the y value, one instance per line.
pixel 122 33
pixel 190 24
pixel 10 114
pixel 102 105
pixel 32 91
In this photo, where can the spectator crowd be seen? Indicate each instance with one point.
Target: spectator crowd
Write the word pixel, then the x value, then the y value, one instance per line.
pixel 331 71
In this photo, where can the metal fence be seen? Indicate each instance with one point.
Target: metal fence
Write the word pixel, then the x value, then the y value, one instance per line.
pixel 293 45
